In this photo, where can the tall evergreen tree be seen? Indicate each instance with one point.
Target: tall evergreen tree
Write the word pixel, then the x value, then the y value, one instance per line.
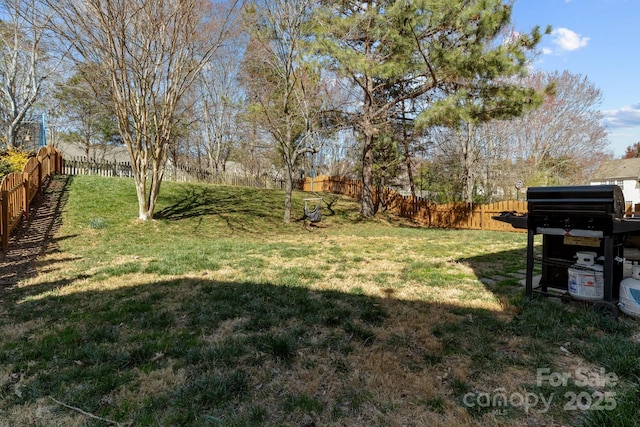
pixel 91 123
pixel 442 52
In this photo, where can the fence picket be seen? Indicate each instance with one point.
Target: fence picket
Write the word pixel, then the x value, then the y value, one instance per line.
pixel 19 189
pixel 85 166
pixel 422 211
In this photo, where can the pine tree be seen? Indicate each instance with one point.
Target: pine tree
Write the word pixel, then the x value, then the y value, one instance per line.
pixel 451 57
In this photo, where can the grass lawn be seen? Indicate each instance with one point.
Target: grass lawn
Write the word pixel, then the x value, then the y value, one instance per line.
pixel 218 314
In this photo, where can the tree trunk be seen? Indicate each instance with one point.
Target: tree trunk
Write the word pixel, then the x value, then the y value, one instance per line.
pixel 11 135
pixel 407 150
pixel 367 207
pixel 139 170
pixel 467 165
pixel 407 160
pixel 157 174
pixel 141 192
pixel 288 190
pixel 289 162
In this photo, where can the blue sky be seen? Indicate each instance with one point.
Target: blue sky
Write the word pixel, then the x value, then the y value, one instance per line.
pixel 599 39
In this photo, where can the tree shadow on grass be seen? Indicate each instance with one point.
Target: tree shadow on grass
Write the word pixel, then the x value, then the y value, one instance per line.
pixel 181 351
pixel 194 201
pixel 188 351
pixel 510 263
pixel 238 209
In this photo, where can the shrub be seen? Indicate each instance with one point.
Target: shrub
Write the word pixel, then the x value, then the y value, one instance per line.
pixel 13 161
pixel 17 158
pixel 5 168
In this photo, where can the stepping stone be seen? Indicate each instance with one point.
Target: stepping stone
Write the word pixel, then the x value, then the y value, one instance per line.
pixel 536 281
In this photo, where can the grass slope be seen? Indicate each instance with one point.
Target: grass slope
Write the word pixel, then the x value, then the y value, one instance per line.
pixel 217 313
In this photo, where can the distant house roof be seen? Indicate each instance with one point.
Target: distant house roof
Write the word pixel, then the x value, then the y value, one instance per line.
pixel 110 153
pixel 618 169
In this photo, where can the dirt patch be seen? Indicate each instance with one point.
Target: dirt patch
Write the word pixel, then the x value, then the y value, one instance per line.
pixel 34 237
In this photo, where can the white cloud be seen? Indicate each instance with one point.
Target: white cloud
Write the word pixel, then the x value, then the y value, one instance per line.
pixel 625 117
pixel 568 40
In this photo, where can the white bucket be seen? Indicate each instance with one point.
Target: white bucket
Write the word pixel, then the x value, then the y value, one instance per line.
pixel 586 283
pixel 629 302
pixel 586 258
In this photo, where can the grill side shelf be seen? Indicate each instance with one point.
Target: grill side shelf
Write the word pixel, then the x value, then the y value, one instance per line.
pixel 516 220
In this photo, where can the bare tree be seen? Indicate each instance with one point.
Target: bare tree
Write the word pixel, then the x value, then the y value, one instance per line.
pixel 470 152
pixel 281 84
pixel 219 102
pixel 24 64
pixel 562 140
pixel 152 52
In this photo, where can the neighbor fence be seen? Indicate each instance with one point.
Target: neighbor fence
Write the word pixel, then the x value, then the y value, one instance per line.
pixel 17 190
pixel 422 211
pixel 88 166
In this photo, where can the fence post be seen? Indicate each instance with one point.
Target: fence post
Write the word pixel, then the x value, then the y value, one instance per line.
pixel 4 218
pixel 56 156
pixel 25 200
pixel 39 176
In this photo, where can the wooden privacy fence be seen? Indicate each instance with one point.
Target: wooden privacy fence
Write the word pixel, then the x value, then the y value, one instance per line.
pixel 423 211
pixel 334 184
pixel 455 215
pixel 17 190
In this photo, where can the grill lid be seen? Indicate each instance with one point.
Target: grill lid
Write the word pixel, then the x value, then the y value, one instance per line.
pixel 581 210
pixel 594 201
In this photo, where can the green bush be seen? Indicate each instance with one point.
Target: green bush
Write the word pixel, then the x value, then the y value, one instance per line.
pixel 5 168
pixel 13 161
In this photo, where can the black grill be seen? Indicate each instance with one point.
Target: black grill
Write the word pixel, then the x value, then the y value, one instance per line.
pixel 573 219
pixel 587 207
